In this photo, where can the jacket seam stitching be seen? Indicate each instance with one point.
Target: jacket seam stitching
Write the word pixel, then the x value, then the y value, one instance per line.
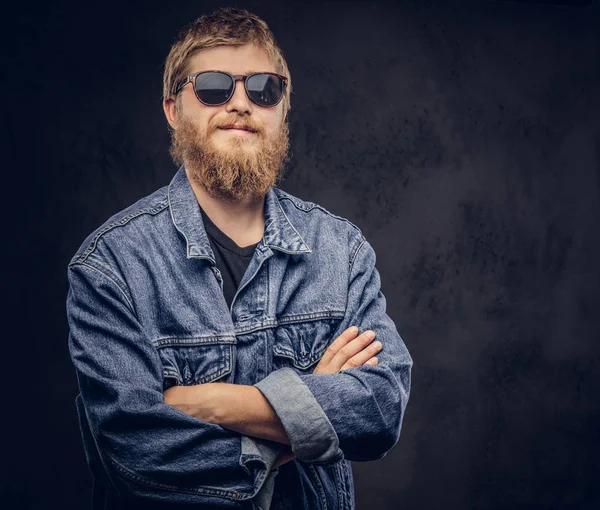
pixel 314 316
pixel 170 206
pixel 322 495
pixel 86 264
pixel 193 341
pixel 292 225
pixel 120 223
pixel 321 208
pixel 354 254
pixel 292 319
pixel 99 265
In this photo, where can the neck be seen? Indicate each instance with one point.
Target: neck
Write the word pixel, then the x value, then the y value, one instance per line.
pixel 241 220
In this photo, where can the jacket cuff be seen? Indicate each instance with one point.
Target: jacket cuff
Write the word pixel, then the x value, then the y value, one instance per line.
pixel 264 497
pixel 312 436
pixel 256 449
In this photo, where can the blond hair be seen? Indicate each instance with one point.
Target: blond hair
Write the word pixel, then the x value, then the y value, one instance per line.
pixel 227 26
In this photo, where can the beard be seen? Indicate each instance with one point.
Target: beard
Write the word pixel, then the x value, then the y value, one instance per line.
pixel 243 169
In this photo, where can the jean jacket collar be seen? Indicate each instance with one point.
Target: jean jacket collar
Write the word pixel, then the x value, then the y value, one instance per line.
pixel 279 232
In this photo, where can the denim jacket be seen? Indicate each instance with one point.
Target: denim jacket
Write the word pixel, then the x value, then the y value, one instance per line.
pixel 146 311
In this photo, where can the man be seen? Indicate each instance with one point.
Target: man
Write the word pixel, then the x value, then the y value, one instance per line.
pixel 214 324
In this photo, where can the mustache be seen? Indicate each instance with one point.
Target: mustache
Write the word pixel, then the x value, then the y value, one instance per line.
pixel 245 124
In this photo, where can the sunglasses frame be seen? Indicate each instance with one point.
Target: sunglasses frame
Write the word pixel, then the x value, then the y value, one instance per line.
pixel 235 77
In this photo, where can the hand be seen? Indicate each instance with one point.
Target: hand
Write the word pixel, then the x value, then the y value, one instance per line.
pixel 349 351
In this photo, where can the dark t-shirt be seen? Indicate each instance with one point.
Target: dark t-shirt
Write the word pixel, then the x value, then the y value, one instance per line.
pixel 232 260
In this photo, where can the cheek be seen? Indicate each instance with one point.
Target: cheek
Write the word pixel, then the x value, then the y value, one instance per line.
pixel 273 125
pixel 202 117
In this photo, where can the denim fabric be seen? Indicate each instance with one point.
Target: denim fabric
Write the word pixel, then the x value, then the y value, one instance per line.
pixel 146 311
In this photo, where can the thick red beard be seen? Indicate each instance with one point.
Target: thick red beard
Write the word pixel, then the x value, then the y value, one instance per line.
pixel 244 172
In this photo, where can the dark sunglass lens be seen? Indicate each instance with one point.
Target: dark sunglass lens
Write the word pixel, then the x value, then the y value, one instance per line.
pixel 213 88
pixel 264 89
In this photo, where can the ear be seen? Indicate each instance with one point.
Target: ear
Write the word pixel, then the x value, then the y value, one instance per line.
pixel 170 111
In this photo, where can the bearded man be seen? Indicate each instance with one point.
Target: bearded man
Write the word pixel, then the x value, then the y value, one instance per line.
pixel 214 325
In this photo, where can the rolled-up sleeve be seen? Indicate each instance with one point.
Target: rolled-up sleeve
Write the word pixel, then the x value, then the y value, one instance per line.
pixel 312 436
pixel 360 409
pixel 148 448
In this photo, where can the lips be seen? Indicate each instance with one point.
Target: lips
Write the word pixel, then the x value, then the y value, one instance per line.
pixel 234 126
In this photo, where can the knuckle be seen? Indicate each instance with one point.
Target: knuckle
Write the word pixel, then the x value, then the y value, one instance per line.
pixel 330 350
pixel 367 336
pixel 344 352
pixel 351 363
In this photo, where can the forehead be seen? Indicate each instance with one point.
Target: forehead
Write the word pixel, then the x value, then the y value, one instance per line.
pixel 242 59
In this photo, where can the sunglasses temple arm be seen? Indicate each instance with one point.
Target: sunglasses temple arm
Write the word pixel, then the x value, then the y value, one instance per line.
pixel 187 80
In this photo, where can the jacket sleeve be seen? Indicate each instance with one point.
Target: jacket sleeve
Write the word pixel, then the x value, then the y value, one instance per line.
pixel 365 405
pixel 148 448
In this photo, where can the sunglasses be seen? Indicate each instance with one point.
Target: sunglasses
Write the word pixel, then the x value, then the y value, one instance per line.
pixel 214 88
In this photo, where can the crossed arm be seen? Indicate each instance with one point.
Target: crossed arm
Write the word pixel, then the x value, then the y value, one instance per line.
pixel 357 412
pixel 237 407
pixel 244 409
pixel 365 415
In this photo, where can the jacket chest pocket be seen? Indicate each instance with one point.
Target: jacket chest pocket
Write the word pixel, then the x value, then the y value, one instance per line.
pixel 189 361
pixel 300 344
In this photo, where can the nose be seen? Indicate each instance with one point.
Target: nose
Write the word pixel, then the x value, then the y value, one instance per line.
pixel 239 102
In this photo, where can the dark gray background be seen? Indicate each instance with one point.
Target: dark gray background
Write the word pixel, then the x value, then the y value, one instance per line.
pixel 462 137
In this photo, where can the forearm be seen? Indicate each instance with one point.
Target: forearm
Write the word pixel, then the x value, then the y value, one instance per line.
pixel 236 407
pixel 245 409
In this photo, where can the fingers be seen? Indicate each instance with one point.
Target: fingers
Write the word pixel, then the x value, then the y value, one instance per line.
pixel 348 335
pixel 356 352
pixel 349 350
pixel 366 355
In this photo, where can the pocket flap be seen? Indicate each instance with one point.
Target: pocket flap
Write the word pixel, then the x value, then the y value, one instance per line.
pixel 305 342
pixel 195 360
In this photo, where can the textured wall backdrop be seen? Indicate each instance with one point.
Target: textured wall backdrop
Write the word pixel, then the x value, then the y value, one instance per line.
pixel 461 137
